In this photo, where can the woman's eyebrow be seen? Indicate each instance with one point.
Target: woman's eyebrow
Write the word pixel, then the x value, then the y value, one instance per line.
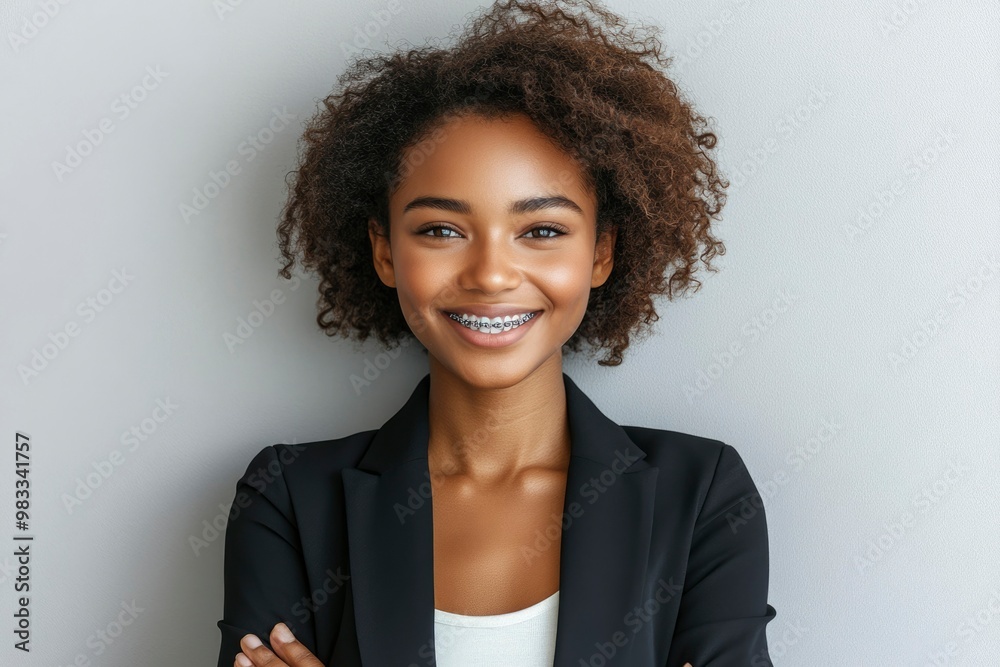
pixel 528 205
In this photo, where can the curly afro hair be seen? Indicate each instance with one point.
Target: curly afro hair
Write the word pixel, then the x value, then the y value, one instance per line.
pixel 586 80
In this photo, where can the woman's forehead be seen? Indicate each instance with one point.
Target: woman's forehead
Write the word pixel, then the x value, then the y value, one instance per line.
pixel 506 158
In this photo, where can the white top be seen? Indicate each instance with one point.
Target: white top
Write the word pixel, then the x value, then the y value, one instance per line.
pixel 526 637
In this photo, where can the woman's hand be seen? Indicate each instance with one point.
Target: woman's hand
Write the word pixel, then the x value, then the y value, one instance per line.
pixel 290 652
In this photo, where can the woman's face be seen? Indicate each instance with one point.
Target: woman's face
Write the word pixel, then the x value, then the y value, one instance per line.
pixel 467 237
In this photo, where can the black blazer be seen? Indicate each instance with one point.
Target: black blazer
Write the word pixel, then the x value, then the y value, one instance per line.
pixel 664 555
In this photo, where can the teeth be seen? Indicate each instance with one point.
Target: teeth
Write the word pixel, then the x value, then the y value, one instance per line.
pixel 495 325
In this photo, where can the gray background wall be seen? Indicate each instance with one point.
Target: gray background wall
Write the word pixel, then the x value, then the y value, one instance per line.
pixel 860 289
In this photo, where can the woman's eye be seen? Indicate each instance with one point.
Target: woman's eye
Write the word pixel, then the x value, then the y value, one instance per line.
pixel 549 232
pixel 427 231
pixel 546 228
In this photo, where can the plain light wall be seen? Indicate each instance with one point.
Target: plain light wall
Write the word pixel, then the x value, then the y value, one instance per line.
pixel 859 292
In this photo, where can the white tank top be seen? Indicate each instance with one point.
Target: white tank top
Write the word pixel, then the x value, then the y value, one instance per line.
pixel 526 637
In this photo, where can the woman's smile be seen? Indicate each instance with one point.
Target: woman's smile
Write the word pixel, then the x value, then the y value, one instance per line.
pixel 495 332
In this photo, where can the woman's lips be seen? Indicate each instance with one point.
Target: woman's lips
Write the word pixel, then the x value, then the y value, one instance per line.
pixel 482 339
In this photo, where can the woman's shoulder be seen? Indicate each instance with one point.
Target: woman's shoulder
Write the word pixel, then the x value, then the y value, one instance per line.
pixel 674 448
pixel 707 468
pixel 315 460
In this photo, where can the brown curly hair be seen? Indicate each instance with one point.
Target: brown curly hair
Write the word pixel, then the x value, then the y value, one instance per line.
pixel 598 90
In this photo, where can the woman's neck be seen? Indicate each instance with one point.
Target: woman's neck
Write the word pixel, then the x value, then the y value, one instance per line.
pixel 492 434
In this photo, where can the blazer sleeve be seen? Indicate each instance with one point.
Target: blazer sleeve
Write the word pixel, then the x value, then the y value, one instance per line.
pixel 723 607
pixel 265 574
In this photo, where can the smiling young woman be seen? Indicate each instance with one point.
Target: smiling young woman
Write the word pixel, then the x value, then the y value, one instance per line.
pixel 496 222
pixel 501 202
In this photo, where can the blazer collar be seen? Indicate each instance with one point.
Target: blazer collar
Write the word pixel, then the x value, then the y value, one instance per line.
pixel 606 529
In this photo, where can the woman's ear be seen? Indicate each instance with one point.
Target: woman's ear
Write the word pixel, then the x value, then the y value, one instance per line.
pixel 604 257
pixel 381 253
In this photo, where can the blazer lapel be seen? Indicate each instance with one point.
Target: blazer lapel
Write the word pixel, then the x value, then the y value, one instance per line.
pixel 606 529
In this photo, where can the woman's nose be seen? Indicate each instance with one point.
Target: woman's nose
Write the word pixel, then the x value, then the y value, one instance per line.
pixel 490 266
